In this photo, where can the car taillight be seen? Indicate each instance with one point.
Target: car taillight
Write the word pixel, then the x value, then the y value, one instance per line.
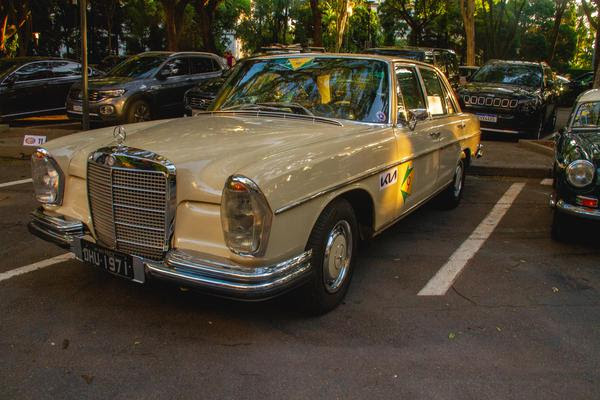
pixel 590 202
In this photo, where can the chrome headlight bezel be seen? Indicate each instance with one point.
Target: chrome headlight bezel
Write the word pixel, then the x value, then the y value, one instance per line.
pixel 240 192
pixel 580 173
pixel 47 191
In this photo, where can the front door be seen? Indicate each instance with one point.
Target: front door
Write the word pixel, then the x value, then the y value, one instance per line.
pixel 176 78
pixel 64 75
pixel 418 174
pixel 27 95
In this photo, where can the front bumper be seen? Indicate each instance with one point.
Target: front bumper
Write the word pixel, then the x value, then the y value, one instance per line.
pixel 95 107
pixel 574 210
pixel 507 121
pixel 214 274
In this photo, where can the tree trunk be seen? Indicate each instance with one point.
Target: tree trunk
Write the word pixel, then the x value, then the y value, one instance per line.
pixel 342 18
pixel 207 20
pixel 468 16
pixel 597 73
pixel 317 23
pixel 171 28
pixel 561 5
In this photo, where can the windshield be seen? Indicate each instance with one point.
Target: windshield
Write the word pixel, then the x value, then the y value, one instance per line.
pixel 7 65
pixel 587 116
pixel 138 67
pixel 344 88
pixel 511 74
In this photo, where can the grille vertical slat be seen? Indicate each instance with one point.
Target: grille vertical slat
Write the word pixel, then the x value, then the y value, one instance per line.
pixel 130 208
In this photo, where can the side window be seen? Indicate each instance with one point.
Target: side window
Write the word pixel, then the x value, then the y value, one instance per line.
pixel 33 71
pixel 409 90
pixel 62 69
pixel 201 65
pixel 437 100
pixel 175 67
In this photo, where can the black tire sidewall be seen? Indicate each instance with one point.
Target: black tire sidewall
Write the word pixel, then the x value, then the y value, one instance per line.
pixel 448 199
pixel 129 115
pixel 316 299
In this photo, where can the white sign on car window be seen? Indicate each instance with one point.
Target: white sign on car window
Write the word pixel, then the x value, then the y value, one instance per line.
pixel 435 105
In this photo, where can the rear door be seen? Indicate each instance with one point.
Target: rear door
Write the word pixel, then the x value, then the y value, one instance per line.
pixel 28 94
pixel 447 124
pixel 417 176
pixel 169 98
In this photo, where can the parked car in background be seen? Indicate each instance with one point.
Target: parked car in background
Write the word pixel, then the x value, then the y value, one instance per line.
pixel 146 86
pixel 299 158
pixel 577 85
pixel 445 59
pixel 577 167
pixel 202 95
pixel 34 86
pixel 514 97
pixel 465 72
pixel 563 88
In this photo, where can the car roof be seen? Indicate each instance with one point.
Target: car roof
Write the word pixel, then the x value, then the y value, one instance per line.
pixel 518 62
pixel 411 48
pixel 590 95
pixel 350 56
pixel 24 60
pixel 175 53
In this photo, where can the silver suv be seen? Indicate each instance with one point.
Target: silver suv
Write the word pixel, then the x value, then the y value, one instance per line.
pixel 146 86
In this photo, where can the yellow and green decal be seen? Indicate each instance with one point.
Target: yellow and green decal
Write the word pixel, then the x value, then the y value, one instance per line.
pixel 407 174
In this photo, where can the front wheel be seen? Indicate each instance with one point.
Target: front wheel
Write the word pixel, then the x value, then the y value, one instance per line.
pixel 333 242
pixel 138 111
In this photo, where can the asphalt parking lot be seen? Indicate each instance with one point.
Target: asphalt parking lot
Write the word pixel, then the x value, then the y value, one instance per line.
pixel 522 319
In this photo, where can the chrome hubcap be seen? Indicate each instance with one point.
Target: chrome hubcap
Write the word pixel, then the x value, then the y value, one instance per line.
pixel 141 113
pixel 458 180
pixel 338 254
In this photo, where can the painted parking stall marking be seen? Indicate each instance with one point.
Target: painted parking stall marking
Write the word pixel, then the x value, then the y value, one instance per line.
pixel 546 182
pixel 445 277
pixel 13 183
pixel 35 266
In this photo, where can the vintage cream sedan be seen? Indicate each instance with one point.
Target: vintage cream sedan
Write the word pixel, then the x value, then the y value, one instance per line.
pixel 300 157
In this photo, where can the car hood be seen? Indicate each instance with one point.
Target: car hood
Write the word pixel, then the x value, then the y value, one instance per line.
pixel 498 89
pixel 208 148
pixel 107 83
pixel 208 86
pixel 589 144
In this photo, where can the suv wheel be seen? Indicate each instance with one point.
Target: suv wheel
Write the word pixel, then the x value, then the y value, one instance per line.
pixel 138 111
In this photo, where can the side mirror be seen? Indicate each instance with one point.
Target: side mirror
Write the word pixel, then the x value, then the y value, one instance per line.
pixel 162 75
pixel 416 115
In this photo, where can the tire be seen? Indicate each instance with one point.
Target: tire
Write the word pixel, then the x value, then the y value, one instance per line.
pixel 560 227
pixel 333 242
pixel 138 111
pixel 450 197
pixel 549 128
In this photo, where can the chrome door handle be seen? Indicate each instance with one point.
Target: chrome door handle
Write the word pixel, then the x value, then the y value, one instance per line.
pixel 462 125
pixel 435 135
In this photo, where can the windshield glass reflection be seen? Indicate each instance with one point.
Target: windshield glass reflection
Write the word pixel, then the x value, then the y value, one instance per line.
pixel 344 88
pixel 511 74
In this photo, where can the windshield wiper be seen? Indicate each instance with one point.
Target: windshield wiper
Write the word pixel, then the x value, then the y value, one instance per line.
pixel 295 108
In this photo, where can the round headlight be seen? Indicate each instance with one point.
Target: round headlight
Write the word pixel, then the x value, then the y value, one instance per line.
pixel 47 178
pixel 580 173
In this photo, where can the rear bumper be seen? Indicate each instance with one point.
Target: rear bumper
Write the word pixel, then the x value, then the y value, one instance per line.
pixel 214 274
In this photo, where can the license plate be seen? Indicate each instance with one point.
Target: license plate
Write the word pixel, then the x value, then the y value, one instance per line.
pixel 487 118
pixel 112 261
pixel 77 107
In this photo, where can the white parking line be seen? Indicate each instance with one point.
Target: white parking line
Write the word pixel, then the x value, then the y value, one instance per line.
pixel 546 182
pixel 6 184
pixel 445 277
pixel 35 266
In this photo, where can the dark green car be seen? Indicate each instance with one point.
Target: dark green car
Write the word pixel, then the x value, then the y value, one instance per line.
pixel 577 166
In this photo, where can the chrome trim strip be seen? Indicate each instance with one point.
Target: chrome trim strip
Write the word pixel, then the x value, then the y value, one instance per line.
pixel 498 130
pixel 138 244
pixel 139 208
pixel 34 112
pixel 57 229
pixel 366 174
pixel 577 211
pixel 138 226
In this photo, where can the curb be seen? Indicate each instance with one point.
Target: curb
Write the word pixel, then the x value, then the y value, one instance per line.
pixel 537 173
pixel 538 148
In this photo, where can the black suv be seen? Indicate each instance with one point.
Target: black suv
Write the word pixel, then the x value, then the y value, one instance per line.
pixel 146 86
pixel 515 97
pixel 33 86
pixel 445 59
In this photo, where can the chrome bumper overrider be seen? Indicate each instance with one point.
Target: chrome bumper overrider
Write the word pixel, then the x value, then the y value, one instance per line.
pixel 205 271
pixel 574 210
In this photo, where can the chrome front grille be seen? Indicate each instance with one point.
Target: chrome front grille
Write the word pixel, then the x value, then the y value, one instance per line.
pixel 489 101
pixel 131 202
pixel 199 103
pixel 93 95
